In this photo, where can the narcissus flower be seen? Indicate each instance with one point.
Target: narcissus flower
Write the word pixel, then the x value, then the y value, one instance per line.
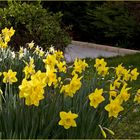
pixel 6 36
pixel 41 52
pixel 50 61
pixel 70 89
pixel 117 83
pixel 124 95
pixel 119 70
pixel 96 97
pixel 59 55
pixel 99 63
pixel 21 52
pixel 8 32
pixel 40 76
pixel 102 70
pixel 79 66
pixel 3 44
pixel 33 90
pixel 67 119
pixel 112 91
pixel 137 96
pixel 62 66
pixel 126 75
pixel 29 69
pixel 31 45
pixel 51 76
pixel 9 77
pixel 134 74
pixel 114 108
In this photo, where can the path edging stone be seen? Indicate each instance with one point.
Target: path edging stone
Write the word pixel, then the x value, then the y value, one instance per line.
pixel 120 51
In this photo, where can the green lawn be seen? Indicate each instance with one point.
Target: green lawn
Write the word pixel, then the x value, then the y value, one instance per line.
pixel 129 126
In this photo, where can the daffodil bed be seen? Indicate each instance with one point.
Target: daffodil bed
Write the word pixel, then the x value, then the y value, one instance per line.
pixel 44 97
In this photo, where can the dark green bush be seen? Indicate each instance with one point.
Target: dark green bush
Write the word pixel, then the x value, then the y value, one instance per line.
pixel 33 22
pixel 103 22
pixel 114 24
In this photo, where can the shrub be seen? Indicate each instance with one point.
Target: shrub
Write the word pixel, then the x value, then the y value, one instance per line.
pixel 114 24
pixel 32 22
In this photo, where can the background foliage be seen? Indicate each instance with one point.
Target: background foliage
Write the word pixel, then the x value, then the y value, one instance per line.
pixel 32 22
pixel 112 23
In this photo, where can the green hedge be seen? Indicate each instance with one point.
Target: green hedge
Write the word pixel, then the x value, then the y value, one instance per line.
pixel 33 22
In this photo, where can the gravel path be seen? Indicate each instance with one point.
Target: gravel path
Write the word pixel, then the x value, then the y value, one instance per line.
pixel 73 51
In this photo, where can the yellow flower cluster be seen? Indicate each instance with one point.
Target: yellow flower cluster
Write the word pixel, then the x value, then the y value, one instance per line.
pixel 33 90
pixel 101 67
pixel 66 79
pixel 32 87
pixel 79 66
pixel 5 36
pixel 125 74
pixel 116 98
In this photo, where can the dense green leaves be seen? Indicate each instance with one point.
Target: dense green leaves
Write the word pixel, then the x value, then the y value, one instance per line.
pixel 112 23
pixel 32 22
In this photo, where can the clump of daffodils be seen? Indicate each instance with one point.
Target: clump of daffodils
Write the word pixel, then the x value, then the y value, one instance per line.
pixel 61 87
pixel 5 37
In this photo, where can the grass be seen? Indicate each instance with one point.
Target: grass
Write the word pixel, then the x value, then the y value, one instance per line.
pixel 129 126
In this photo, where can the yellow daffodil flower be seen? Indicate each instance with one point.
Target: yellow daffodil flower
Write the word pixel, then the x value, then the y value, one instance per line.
pixel 117 83
pixel 112 91
pixel 40 76
pixel 124 95
pixel 50 60
pixel 41 53
pixel 137 96
pixel 6 36
pixel 99 62
pixel 96 97
pixel 59 55
pixel 114 108
pixel 62 66
pixel 29 68
pixel 134 74
pixel 9 77
pixel 21 52
pixel 119 70
pixel 8 32
pixel 70 89
pixel 103 70
pixel 79 66
pixel 126 75
pixel 67 119
pixel 31 45
pixel 3 44
pixel 32 90
pixel 51 77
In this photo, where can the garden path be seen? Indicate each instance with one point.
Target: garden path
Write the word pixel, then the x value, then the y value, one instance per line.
pixel 73 51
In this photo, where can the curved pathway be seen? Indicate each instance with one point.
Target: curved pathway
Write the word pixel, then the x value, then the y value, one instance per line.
pixel 75 51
